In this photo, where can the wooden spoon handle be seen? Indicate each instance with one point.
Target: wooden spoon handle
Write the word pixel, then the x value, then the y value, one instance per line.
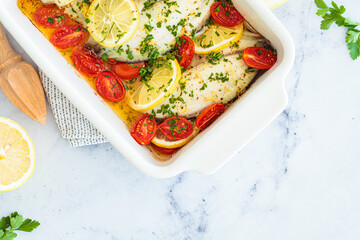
pixel 7 56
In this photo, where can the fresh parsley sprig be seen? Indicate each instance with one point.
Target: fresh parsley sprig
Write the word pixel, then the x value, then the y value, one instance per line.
pixel 15 222
pixel 334 14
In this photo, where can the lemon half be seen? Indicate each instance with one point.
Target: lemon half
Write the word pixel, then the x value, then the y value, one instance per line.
pixel 113 22
pixel 17 155
pixel 163 82
pixel 217 37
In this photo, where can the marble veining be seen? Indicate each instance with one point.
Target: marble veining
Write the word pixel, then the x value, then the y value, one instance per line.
pixel 298 179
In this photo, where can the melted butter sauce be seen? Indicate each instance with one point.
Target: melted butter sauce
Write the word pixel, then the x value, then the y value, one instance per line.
pixel 123 110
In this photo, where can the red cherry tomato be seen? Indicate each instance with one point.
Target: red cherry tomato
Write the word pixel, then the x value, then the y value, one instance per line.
pixel 128 71
pixel 225 14
pixel 259 58
pixel 51 16
pixel 86 62
pixel 68 36
pixel 184 51
pixel 144 129
pixel 110 86
pixel 209 115
pixel 176 128
pixel 167 151
pixel 111 61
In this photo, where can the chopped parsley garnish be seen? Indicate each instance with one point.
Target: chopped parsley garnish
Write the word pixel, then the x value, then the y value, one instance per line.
pixel 191 93
pixel 148 27
pixel 219 77
pixel 203 87
pixel 165 108
pixel 129 53
pixel 214 58
pixel 149 3
pixel 250 70
pixel 59 18
pixel 104 57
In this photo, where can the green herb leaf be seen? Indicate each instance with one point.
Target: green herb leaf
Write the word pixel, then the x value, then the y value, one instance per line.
pixel 334 14
pixel 4 223
pixel 16 221
pixel 9 235
pixel 321 4
pixel 104 57
pixel 354 50
pixel 28 225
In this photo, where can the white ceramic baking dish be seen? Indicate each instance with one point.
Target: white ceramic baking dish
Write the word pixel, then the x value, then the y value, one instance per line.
pixel 212 148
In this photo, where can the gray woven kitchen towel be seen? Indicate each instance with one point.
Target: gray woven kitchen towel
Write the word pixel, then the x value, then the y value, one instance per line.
pixel 72 124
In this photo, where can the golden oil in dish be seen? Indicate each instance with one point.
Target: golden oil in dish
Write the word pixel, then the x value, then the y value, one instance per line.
pixel 123 110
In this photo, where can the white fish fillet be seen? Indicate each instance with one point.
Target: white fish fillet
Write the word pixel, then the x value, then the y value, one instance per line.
pixel 60 3
pixel 48 1
pixel 248 39
pixel 202 89
pixel 192 12
pixel 75 11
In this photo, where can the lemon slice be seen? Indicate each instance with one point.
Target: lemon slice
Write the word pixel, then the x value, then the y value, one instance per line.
pixel 17 155
pixel 162 141
pixel 113 22
pixel 163 82
pixel 217 37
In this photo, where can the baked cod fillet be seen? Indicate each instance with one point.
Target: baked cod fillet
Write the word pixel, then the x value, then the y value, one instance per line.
pixel 159 26
pixel 206 84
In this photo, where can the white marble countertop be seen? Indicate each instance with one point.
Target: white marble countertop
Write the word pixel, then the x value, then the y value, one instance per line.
pixel 299 179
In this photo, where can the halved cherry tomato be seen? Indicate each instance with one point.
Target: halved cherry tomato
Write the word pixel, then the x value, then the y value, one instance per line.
pixel 86 62
pixel 259 58
pixel 68 36
pixel 128 71
pixel 176 128
pixel 209 115
pixel 111 61
pixel 225 14
pixel 167 151
pixel 144 129
pixel 184 51
pixel 51 16
pixel 110 86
